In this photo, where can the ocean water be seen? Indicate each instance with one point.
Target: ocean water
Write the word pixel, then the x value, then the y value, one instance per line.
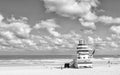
pixel 43 59
pixel 34 57
pixel 11 57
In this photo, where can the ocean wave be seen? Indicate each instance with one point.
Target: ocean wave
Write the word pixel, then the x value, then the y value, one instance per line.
pixel 47 61
pixel 35 61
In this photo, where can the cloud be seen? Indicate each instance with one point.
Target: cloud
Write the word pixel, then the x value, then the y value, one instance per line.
pixel 74 8
pixel 50 25
pixel 90 16
pixel 84 10
pixel 109 19
pixel 69 40
pixel 71 8
pixel 88 31
pixel 115 36
pixel 14 32
pixel 38 39
pixel 89 25
pixel 64 41
pixel 17 34
pixel 15 41
pixel 18 28
pixel 97 42
pixel 21 19
pixel 91 40
pixel 100 43
pixel 72 37
pixel 108 38
pixel 3 42
pixel 1 18
pixel 7 35
pixel 113 44
pixel 115 29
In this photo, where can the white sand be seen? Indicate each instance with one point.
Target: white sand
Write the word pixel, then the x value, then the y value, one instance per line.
pixel 98 69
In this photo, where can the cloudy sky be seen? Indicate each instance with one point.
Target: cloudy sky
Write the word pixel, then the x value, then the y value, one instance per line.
pixel 55 26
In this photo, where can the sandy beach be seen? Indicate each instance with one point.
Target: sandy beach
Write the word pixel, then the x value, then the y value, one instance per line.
pixel 100 67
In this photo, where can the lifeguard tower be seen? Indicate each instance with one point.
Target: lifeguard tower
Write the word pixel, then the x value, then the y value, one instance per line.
pixel 84 54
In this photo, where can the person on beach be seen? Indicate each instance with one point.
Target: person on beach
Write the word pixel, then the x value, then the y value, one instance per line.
pixel 109 63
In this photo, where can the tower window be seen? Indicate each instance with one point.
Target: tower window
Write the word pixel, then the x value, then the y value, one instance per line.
pixel 79 57
pixel 83 57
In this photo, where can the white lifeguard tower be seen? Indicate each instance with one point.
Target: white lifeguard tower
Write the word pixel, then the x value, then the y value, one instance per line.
pixel 84 54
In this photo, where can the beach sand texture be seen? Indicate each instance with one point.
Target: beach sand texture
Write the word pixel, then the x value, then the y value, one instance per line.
pixel 100 67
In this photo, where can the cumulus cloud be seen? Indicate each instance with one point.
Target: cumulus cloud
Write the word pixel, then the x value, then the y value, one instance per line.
pixel 38 39
pixel 7 35
pixel 115 36
pixel 115 29
pixel 1 18
pixel 97 42
pixel 88 31
pixel 72 37
pixel 64 41
pixel 89 24
pixel 14 32
pixel 17 34
pixel 100 43
pixel 3 41
pixel 18 28
pixel 113 44
pixel 91 40
pixel 71 8
pixel 21 19
pixel 74 8
pixel 108 38
pixel 50 25
pixel 84 10
pixel 109 19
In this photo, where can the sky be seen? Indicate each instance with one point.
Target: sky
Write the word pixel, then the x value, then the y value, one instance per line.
pixel 55 26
